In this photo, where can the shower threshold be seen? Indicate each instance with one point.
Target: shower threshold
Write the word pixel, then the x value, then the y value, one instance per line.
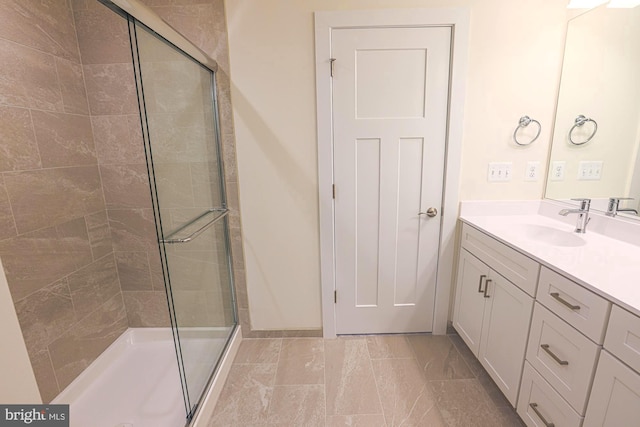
pixel 135 381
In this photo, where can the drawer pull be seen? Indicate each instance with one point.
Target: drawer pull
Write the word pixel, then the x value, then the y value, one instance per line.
pixel 545 347
pixel 486 288
pixel 564 302
pixel 534 406
pixel 484 276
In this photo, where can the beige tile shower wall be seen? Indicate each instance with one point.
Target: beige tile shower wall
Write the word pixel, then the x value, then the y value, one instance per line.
pixel 55 242
pixel 203 22
pixel 119 149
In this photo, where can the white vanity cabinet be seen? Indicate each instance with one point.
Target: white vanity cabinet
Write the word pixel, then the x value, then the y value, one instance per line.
pixel 615 399
pixel 491 313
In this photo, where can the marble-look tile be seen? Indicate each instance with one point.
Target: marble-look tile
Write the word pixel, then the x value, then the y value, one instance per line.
pixel 118 139
pixel 297 405
pixel 196 271
pixel 174 186
pixel 246 396
pixel 7 224
pixel 242 296
pixel 376 420
pixel 155 267
pixel 463 403
pixel 178 138
pixel 46 26
pixel 126 186
pixel 64 139
pixel 45 315
pixel 439 358
pixel 86 340
pixel 472 362
pixel 99 234
pixel 259 351
pixel 111 89
pixel 94 285
pixel 389 347
pixel 349 380
pixel 301 362
pixel 71 78
pixel 46 197
pixel 45 375
pixel 34 260
pixel 407 399
pixel 492 390
pixel 18 146
pixel 95 48
pixel 146 309
pixel 28 78
pixel 192 309
pixel 133 230
pixel 133 270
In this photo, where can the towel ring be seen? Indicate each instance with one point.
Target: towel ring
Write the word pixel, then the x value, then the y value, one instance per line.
pixel 523 123
pixel 579 122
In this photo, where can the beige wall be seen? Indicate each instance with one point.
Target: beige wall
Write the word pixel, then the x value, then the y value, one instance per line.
pixel 515 53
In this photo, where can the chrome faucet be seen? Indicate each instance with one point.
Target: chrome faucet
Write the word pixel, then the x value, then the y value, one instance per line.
pixel 614 205
pixel 583 214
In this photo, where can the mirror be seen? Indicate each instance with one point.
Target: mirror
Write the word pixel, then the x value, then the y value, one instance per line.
pixel 600 81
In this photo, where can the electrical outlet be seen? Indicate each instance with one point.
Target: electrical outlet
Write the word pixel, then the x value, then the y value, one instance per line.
pixel 531 173
pixel 589 170
pixel 557 170
pixel 499 171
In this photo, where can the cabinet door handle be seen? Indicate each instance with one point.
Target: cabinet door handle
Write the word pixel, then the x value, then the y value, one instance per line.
pixel 534 406
pixel 545 347
pixel 486 288
pixel 564 302
pixel 483 276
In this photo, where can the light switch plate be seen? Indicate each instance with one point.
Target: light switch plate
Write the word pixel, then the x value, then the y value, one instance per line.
pixel 589 170
pixel 499 171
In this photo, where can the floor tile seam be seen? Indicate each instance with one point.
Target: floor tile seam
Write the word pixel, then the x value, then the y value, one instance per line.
pixel 375 381
pixel 464 359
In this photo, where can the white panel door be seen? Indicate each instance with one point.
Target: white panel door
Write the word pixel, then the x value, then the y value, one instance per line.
pixel 390 96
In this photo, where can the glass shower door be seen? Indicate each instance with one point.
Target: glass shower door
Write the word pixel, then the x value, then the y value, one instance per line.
pixel 184 160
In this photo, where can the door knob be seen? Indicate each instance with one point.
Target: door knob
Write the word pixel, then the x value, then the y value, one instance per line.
pixel 431 212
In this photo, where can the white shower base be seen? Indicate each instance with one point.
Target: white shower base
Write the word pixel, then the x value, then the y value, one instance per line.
pixel 135 382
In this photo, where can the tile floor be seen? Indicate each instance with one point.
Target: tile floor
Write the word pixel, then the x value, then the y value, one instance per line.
pixel 369 381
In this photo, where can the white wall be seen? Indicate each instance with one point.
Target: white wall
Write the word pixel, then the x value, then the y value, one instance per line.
pixel 18 381
pixel 514 66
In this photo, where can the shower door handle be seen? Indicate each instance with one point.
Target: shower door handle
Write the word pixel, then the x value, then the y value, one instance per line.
pixel 199 231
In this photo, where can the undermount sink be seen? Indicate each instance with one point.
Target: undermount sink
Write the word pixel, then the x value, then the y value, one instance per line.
pixel 552 236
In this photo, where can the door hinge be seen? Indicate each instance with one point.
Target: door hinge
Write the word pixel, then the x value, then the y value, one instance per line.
pixel 335 297
pixel 332 60
pixel 333 189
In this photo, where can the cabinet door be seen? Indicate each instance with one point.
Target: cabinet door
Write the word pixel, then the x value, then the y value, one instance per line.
pixel 469 307
pixel 505 330
pixel 615 397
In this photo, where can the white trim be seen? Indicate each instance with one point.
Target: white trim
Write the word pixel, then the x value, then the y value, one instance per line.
pixel 458 19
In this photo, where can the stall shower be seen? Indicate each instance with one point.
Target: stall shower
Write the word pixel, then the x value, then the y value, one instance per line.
pixel 115 235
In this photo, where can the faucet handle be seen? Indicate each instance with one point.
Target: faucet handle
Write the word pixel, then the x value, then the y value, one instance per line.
pixel 584 203
pixel 612 207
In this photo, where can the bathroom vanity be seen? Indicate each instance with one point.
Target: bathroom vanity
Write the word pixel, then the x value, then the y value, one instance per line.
pixel 552 315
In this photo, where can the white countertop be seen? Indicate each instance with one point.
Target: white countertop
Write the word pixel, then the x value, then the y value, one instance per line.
pixel 607 266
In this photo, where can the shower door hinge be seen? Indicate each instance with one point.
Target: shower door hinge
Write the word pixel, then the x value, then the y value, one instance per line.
pixel 332 60
pixel 333 189
pixel 335 297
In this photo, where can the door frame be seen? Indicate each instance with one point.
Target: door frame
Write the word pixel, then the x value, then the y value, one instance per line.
pixel 325 22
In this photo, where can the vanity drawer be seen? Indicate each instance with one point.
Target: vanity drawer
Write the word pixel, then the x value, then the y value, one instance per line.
pixel 583 309
pixel 623 337
pixel 537 395
pixel 519 269
pixel 563 356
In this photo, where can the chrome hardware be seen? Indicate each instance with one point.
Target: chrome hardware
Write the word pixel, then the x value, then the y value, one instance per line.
pixel 613 206
pixel 534 406
pixel 583 214
pixel 564 302
pixel 483 276
pixel 431 212
pixel 523 123
pixel 579 122
pixel 486 288
pixel 221 214
pixel 545 347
